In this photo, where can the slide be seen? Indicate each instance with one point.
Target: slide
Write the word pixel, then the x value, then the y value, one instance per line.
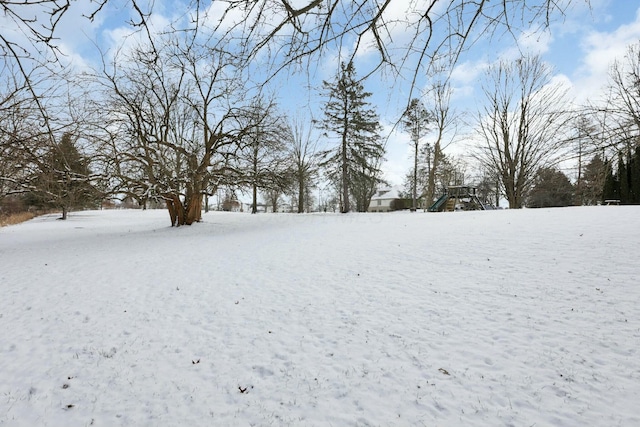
pixel 436 207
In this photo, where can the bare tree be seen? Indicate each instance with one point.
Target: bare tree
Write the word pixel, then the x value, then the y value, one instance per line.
pixel 262 156
pixel 37 156
pixel 428 32
pixel 488 187
pixel 585 143
pixel 28 42
pixel 174 107
pixel 304 161
pixel 17 132
pixel 444 120
pixel 32 26
pixel 28 38
pixel 619 118
pixel 273 197
pixel 452 171
pixel 416 120
pixel 522 124
pixel 285 32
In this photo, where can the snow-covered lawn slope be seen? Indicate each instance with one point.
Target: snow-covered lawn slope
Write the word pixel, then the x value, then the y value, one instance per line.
pixel 503 318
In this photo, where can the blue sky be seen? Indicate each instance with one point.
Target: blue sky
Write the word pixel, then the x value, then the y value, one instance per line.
pixel 580 46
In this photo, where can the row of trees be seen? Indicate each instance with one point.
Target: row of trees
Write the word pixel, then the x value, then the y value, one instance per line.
pixel 160 143
pixel 623 184
pixel 174 115
pixel 551 187
pixel 527 130
pixel 599 182
pixel 521 128
pixel 171 122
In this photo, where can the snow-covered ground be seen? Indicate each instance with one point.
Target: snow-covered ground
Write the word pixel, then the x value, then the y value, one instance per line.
pixel 502 318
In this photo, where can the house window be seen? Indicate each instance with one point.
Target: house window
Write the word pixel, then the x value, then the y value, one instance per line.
pixel 379 202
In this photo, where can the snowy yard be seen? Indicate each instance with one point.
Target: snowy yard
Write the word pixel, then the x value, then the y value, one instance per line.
pixel 502 318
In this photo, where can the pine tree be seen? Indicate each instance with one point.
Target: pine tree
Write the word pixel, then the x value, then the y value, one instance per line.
pixel 63 181
pixel 623 178
pixel 355 160
pixel 551 188
pixel 611 189
pixel 593 182
pixel 634 177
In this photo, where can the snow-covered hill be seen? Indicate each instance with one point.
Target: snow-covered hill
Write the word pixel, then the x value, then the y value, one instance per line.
pixel 527 317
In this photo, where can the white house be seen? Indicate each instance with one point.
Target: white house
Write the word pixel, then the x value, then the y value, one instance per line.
pixel 381 201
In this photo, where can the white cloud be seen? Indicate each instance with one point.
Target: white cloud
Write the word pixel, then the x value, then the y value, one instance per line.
pixel 560 80
pixel 535 42
pixel 602 49
pixel 468 72
pixel 124 38
pixel 72 58
pixel 220 15
pixel 460 93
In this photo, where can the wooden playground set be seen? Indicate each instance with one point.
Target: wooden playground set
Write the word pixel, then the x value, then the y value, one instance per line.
pixel 458 198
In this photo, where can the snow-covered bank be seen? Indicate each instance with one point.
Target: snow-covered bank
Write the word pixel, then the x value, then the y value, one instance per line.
pixel 528 317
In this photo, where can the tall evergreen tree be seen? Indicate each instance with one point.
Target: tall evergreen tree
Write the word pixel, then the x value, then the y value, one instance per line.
pixel 623 178
pixel 355 159
pixel 593 182
pixel 634 177
pixel 611 190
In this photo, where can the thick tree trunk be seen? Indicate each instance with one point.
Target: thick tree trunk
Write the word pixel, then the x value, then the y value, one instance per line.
pixel 300 194
pixel 511 191
pixel 254 184
pixel 191 210
pixel 173 213
pixel 414 189
pixel 254 207
pixel 345 177
pixel 175 208
pixel 194 209
pixel 431 185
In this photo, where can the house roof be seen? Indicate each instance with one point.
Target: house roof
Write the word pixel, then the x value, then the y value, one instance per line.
pixel 387 193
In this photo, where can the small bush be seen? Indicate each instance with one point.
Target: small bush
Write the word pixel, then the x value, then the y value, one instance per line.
pixel 16 218
pixel 400 204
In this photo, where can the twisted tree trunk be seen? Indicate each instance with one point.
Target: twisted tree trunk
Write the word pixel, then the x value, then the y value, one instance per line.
pixel 175 208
